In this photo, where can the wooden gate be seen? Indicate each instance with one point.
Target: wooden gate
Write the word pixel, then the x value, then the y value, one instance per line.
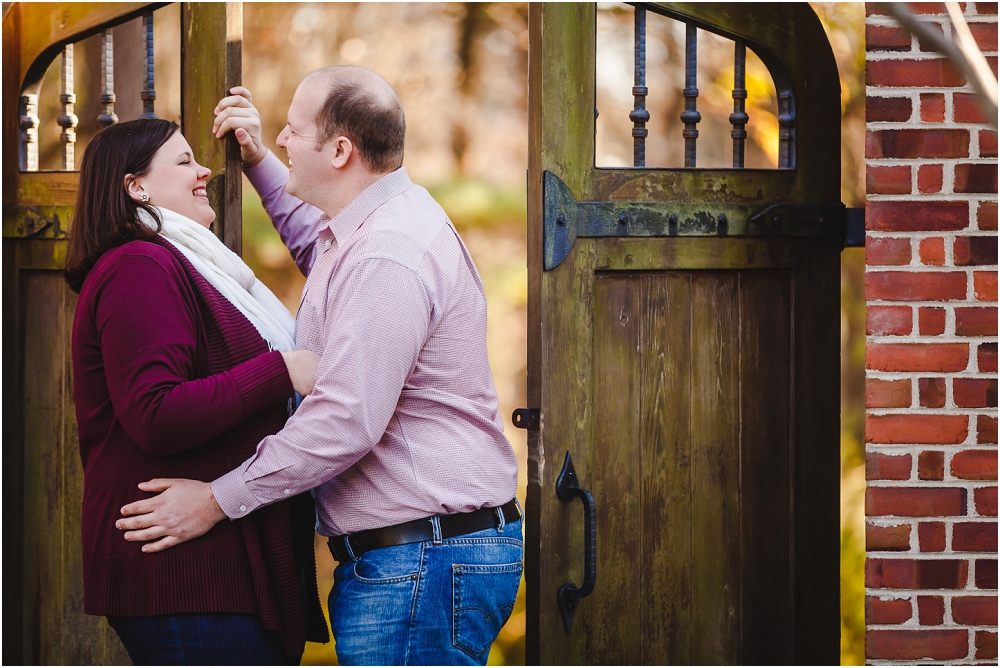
pixel 683 349
pixel 43 620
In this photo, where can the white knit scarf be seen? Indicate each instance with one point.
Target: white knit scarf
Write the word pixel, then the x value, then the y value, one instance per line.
pixel 228 274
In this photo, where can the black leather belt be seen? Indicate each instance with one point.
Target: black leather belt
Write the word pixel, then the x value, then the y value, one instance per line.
pixel 420 530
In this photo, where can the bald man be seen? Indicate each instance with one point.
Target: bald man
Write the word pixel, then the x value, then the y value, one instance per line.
pixel 401 440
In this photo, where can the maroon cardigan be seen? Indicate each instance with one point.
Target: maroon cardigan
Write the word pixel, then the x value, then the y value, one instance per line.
pixel 172 381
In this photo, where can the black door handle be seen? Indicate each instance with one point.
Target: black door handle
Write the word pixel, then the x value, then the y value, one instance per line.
pixel 567 489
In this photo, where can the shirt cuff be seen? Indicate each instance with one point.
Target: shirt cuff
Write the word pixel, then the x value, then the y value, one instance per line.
pixel 267 175
pixel 234 496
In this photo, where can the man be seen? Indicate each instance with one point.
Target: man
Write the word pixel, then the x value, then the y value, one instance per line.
pixel 401 437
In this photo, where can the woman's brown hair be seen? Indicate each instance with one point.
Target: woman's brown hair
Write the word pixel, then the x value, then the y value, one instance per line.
pixel 106 215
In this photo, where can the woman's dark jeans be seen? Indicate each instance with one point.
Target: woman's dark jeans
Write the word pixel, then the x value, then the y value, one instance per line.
pixel 199 639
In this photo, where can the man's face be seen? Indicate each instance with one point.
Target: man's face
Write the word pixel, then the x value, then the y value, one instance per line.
pixel 309 170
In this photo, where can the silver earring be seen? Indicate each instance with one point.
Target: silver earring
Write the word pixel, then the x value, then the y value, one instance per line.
pixel 144 197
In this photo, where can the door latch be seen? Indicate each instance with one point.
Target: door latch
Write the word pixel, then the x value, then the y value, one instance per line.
pixel 527 418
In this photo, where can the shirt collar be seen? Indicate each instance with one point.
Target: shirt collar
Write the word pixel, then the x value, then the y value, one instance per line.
pixel 345 223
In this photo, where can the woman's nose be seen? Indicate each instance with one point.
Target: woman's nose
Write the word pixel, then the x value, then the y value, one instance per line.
pixel 204 173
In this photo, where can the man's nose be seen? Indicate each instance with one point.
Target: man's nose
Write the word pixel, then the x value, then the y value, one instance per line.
pixel 280 141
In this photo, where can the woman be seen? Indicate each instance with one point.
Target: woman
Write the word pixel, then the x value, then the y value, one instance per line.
pixel 182 362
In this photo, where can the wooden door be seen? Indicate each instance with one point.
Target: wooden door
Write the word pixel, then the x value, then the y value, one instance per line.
pixel 684 350
pixel 43 620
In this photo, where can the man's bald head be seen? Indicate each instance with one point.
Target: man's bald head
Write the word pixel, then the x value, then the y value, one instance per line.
pixel 363 107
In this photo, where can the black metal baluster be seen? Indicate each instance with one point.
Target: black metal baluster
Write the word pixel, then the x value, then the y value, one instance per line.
pixel 739 117
pixel 67 119
pixel 639 116
pixel 29 133
pixel 108 116
pixel 690 116
pixel 786 129
pixel 148 91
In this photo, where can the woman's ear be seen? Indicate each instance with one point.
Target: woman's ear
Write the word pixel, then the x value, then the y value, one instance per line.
pixel 133 188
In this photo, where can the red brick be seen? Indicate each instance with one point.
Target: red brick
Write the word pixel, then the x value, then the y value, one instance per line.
pixel 986 501
pixel 932 107
pixel 986 573
pixel 882 251
pixel 986 432
pixel 986 645
pixel 915 286
pixel 929 357
pixel 975 392
pixel 887 467
pixel 887 393
pixel 930 321
pixel 914 501
pixel 917 216
pixel 986 216
pixel 886 38
pixel 974 610
pixel 891 109
pixel 910 645
pixel 974 537
pixel 925 143
pixel 888 320
pixel 930 178
pixel 932 391
pixel 943 429
pixel 986 357
pixel 985 35
pixel 930 610
pixel 916 574
pixel 887 539
pixel 986 7
pixel 988 144
pixel 924 45
pixel 975 178
pixel 931 536
pixel 979 250
pixel 985 285
pixel 931 251
pixel 966 109
pixel 894 180
pixel 933 72
pixel 919 8
pixel 930 465
pixel 992 62
pixel 975 465
pixel 981 321
pixel 891 611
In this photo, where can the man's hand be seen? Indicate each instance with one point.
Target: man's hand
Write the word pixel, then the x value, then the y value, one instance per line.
pixel 238 114
pixel 183 510
pixel 301 365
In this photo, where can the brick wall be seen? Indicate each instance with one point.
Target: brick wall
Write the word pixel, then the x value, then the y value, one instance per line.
pixel 931 361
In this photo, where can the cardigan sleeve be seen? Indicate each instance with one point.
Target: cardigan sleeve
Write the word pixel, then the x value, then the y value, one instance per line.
pixel 146 321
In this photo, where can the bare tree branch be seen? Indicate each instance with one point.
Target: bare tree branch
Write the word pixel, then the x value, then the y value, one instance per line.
pixel 963 53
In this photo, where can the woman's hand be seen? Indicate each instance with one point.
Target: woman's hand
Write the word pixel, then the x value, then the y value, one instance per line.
pixel 238 114
pixel 301 366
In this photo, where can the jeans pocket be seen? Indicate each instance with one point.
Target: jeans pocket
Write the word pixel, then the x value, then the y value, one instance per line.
pixel 484 597
pixel 389 565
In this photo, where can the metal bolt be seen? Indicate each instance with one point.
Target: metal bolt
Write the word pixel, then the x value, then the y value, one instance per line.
pixel 723 219
pixel 560 220
pixel 623 220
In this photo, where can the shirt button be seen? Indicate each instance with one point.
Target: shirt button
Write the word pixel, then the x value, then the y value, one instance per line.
pixel 243 509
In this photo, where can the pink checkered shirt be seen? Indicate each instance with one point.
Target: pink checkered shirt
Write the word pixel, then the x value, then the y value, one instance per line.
pixel 404 420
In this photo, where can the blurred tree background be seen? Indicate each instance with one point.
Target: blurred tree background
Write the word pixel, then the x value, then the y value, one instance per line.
pixel 461 72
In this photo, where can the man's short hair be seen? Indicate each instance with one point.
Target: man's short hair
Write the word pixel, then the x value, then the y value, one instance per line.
pixel 374 124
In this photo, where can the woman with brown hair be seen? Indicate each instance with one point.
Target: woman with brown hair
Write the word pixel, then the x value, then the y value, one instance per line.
pixel 182 363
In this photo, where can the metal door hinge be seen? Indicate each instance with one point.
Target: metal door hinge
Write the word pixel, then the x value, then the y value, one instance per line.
pixel 527 418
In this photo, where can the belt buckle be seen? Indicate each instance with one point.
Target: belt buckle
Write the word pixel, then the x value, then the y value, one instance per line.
pixel 347 546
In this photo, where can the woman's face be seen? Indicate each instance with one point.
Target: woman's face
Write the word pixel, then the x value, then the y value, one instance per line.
pixel 176 182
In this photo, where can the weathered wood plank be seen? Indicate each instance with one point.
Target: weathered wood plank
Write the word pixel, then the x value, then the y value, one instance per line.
pixel 715 468
pixel 766 509
pixel 611 623
pixel 624 254
pixel 665 378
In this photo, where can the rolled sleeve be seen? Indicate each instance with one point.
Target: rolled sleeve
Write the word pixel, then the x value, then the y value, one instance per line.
pixel 378 324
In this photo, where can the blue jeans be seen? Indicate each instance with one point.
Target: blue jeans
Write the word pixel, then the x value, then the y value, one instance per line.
pixel 431 603
pixel 199 639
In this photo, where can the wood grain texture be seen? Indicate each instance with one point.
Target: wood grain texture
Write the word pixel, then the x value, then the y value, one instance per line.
pixel 715 468
pixel 664 368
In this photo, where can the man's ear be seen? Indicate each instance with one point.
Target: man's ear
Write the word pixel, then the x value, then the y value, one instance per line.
pixel 132 187
pixel 343 149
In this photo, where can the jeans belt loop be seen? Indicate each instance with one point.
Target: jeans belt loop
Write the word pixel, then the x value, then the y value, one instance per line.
pixel 501 520
pixel 436 524
pixel 347 544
